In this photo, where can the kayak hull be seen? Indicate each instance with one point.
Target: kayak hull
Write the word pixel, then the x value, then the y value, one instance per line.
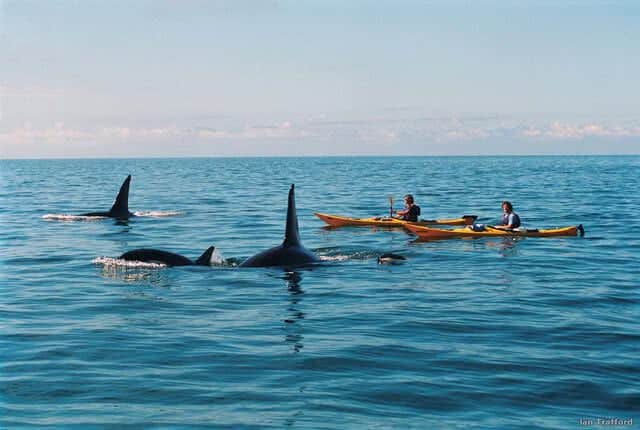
pixel 438 233
pixel 343 221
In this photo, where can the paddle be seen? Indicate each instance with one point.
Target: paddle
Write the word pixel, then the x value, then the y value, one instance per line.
pixel 390 206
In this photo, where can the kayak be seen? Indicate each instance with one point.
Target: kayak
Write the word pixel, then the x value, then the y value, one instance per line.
pixel 438 233
pixel 342 221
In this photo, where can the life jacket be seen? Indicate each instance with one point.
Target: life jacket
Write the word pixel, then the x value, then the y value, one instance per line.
pixel 413 214
pixel 516 220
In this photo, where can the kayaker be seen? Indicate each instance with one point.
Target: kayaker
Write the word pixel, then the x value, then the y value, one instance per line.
pixel 510 219
pixel 410 211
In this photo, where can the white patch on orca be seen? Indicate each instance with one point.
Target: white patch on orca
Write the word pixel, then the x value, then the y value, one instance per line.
pixel 67 218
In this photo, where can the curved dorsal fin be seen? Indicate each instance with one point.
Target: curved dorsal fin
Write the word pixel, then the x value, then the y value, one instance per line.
pixel 205 258
pixel 121 205
pixel 291 233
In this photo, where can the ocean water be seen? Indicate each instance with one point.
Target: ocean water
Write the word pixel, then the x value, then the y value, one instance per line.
pixel 480 333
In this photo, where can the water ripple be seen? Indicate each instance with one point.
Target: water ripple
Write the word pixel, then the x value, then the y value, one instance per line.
pixel 482 333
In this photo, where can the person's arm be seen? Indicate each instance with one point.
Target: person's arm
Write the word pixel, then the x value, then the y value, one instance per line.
pixel 402 212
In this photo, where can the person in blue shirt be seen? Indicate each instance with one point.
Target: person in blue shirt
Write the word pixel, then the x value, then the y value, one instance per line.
pixel 510 219
pixel 410 211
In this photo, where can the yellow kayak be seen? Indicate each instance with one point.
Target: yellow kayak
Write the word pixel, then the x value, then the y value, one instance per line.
pixel 342 221
pixel 438 233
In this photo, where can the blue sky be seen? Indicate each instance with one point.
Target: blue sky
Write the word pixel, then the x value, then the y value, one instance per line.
pixel 225 78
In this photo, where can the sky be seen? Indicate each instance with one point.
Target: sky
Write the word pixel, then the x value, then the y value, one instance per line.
pixel 89 78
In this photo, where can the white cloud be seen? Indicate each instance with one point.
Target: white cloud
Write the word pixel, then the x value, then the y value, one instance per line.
pixel 55 134
pixel 28 92
pixel 313 136
pixel 282 130
pixel 59 132
pixel 559 130
pixel 530 131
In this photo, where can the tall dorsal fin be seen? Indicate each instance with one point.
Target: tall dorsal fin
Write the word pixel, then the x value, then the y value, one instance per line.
pixel 205 258
pixel 291 233
pixel 121 205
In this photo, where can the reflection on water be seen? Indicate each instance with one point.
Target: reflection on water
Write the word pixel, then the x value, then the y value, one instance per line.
pixel 373 228
pixel 459 336
pixel 152 276
pixel 507 246
pixel 290 422
pixel 294 314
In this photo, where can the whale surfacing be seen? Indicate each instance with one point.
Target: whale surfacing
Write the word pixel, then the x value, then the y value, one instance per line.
pixel 120 208
pixel 168 258
pixel 290 253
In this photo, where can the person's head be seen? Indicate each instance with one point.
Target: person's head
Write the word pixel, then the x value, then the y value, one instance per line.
pixel 507 206
pixel 408 199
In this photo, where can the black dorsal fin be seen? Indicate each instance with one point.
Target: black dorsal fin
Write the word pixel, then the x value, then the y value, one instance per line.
pixel 205 258
pixel 291 233
pixel 121 205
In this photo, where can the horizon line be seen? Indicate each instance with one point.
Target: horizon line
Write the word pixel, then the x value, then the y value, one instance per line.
pixel 161 157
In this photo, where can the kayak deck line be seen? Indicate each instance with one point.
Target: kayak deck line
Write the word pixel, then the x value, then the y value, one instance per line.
pixel 438 233
pixel 343 221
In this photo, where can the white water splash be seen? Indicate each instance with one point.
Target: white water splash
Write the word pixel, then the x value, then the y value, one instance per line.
pixel 217 259
pixel 157 214
pixel 334 257
pixel 68 218
pixel 118 262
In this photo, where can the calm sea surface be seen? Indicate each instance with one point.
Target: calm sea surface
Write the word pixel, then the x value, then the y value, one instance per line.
pixel 481 333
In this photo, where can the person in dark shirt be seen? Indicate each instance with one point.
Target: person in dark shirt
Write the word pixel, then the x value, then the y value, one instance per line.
pixel 510 219
pixel 410 211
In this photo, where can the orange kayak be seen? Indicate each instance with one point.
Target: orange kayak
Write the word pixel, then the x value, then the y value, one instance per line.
pixel 343 221
pixel 438 233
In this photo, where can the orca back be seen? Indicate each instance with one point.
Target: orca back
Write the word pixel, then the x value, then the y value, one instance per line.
pixel 281 256
pixel 290 253
pixel 156 256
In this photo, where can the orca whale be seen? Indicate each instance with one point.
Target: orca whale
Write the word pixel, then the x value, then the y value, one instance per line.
pixel 390 258
pixel 168 258
pixel 120 208
pixel 291 252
